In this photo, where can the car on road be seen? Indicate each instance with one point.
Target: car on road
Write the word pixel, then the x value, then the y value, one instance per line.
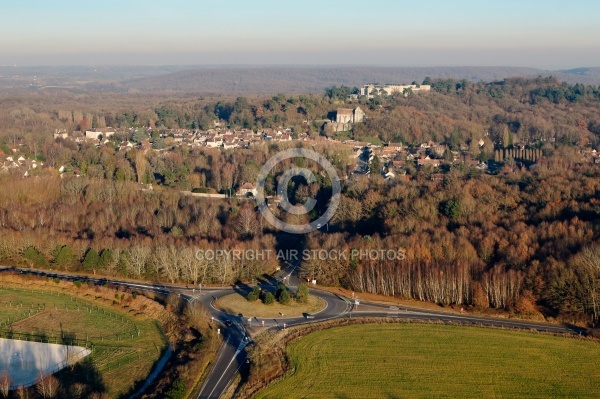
pixel 309 316
pixel 228 323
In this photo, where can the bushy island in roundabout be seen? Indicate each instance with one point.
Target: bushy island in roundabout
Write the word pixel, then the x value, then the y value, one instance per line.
pixel 273 304
pixel 400 360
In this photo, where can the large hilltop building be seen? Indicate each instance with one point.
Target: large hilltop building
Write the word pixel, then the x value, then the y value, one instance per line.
pixel 373 89
pixel 346 117
pixel 349 115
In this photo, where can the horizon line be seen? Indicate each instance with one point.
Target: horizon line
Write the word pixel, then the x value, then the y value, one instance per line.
pixel 288 65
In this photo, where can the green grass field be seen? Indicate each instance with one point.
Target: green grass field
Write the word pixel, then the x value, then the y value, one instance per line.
pixel 120 355
pixel 390 361
pixel 51 314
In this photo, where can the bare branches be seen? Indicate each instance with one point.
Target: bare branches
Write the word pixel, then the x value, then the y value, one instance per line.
pixel 5 383
pixel 47 386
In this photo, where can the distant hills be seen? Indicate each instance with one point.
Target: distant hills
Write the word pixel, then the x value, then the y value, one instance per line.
pixel 589 73
pixel 255 79
pixel 308 79
pixel 315 79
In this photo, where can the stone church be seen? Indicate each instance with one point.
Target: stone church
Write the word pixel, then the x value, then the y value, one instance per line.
pixel 345 117
pixel 349 115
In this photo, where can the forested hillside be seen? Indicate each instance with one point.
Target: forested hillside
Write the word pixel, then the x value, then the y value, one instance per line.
pixel 521 236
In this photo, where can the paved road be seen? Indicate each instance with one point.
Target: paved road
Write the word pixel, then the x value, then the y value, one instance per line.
pixel 232 355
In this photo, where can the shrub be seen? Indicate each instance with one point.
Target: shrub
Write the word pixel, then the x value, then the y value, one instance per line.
pixel 253 295
pixel 284 297
pixel 177 391
pixel 302 294
pixel 269 298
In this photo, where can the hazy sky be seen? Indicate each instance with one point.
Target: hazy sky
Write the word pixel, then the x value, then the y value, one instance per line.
pixel 547 34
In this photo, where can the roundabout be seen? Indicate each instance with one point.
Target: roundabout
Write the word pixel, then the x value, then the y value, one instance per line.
pixel 233 327
pixel 237 304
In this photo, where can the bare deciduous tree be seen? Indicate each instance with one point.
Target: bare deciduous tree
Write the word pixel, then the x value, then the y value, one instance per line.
pixel 141 165
pixel 246 222
pixel 587 267
pixel 137 258
pixel 166 263
pixel 23 393
pixel 47 386
pixel 78 389
pixel 5 383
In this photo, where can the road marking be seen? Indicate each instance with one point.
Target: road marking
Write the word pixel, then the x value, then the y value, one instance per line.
pixel 491 322
pixel 474 320
pixel 220 354
pixel 224 372
pixel 348 306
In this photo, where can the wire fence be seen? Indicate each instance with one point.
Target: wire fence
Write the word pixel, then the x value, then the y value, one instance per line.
pixel 22 310
pixel 46 339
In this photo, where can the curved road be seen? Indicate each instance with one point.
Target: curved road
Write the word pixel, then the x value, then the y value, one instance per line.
pixel 232 354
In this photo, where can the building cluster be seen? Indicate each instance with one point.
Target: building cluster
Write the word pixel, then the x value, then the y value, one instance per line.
pixel 229 139
pixel 220 138
pixel 395 158
pixel 371 90
pixel 591 155
pixel 94 136
pixel 19 165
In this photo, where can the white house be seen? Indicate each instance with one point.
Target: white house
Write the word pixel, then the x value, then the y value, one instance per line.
pixel 214 143
pixel 247 188
pixel 97 134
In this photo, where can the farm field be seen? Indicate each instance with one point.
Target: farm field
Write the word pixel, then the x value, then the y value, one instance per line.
pixel 125 348
pixel 53 314
pixel 437 361
pixel 237 304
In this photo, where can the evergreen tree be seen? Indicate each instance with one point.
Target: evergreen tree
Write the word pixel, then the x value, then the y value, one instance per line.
pixel 91 261
pixel 63 257
pixel 302 294
pixel 283 295
pixel 35 257
pixel 269 298
pixel 253 295
pixel 105 259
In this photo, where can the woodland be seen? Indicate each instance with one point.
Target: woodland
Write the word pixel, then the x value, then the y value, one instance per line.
pixel 524 239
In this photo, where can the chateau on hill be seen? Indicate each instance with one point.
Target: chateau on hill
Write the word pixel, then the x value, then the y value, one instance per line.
pixel 373 89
